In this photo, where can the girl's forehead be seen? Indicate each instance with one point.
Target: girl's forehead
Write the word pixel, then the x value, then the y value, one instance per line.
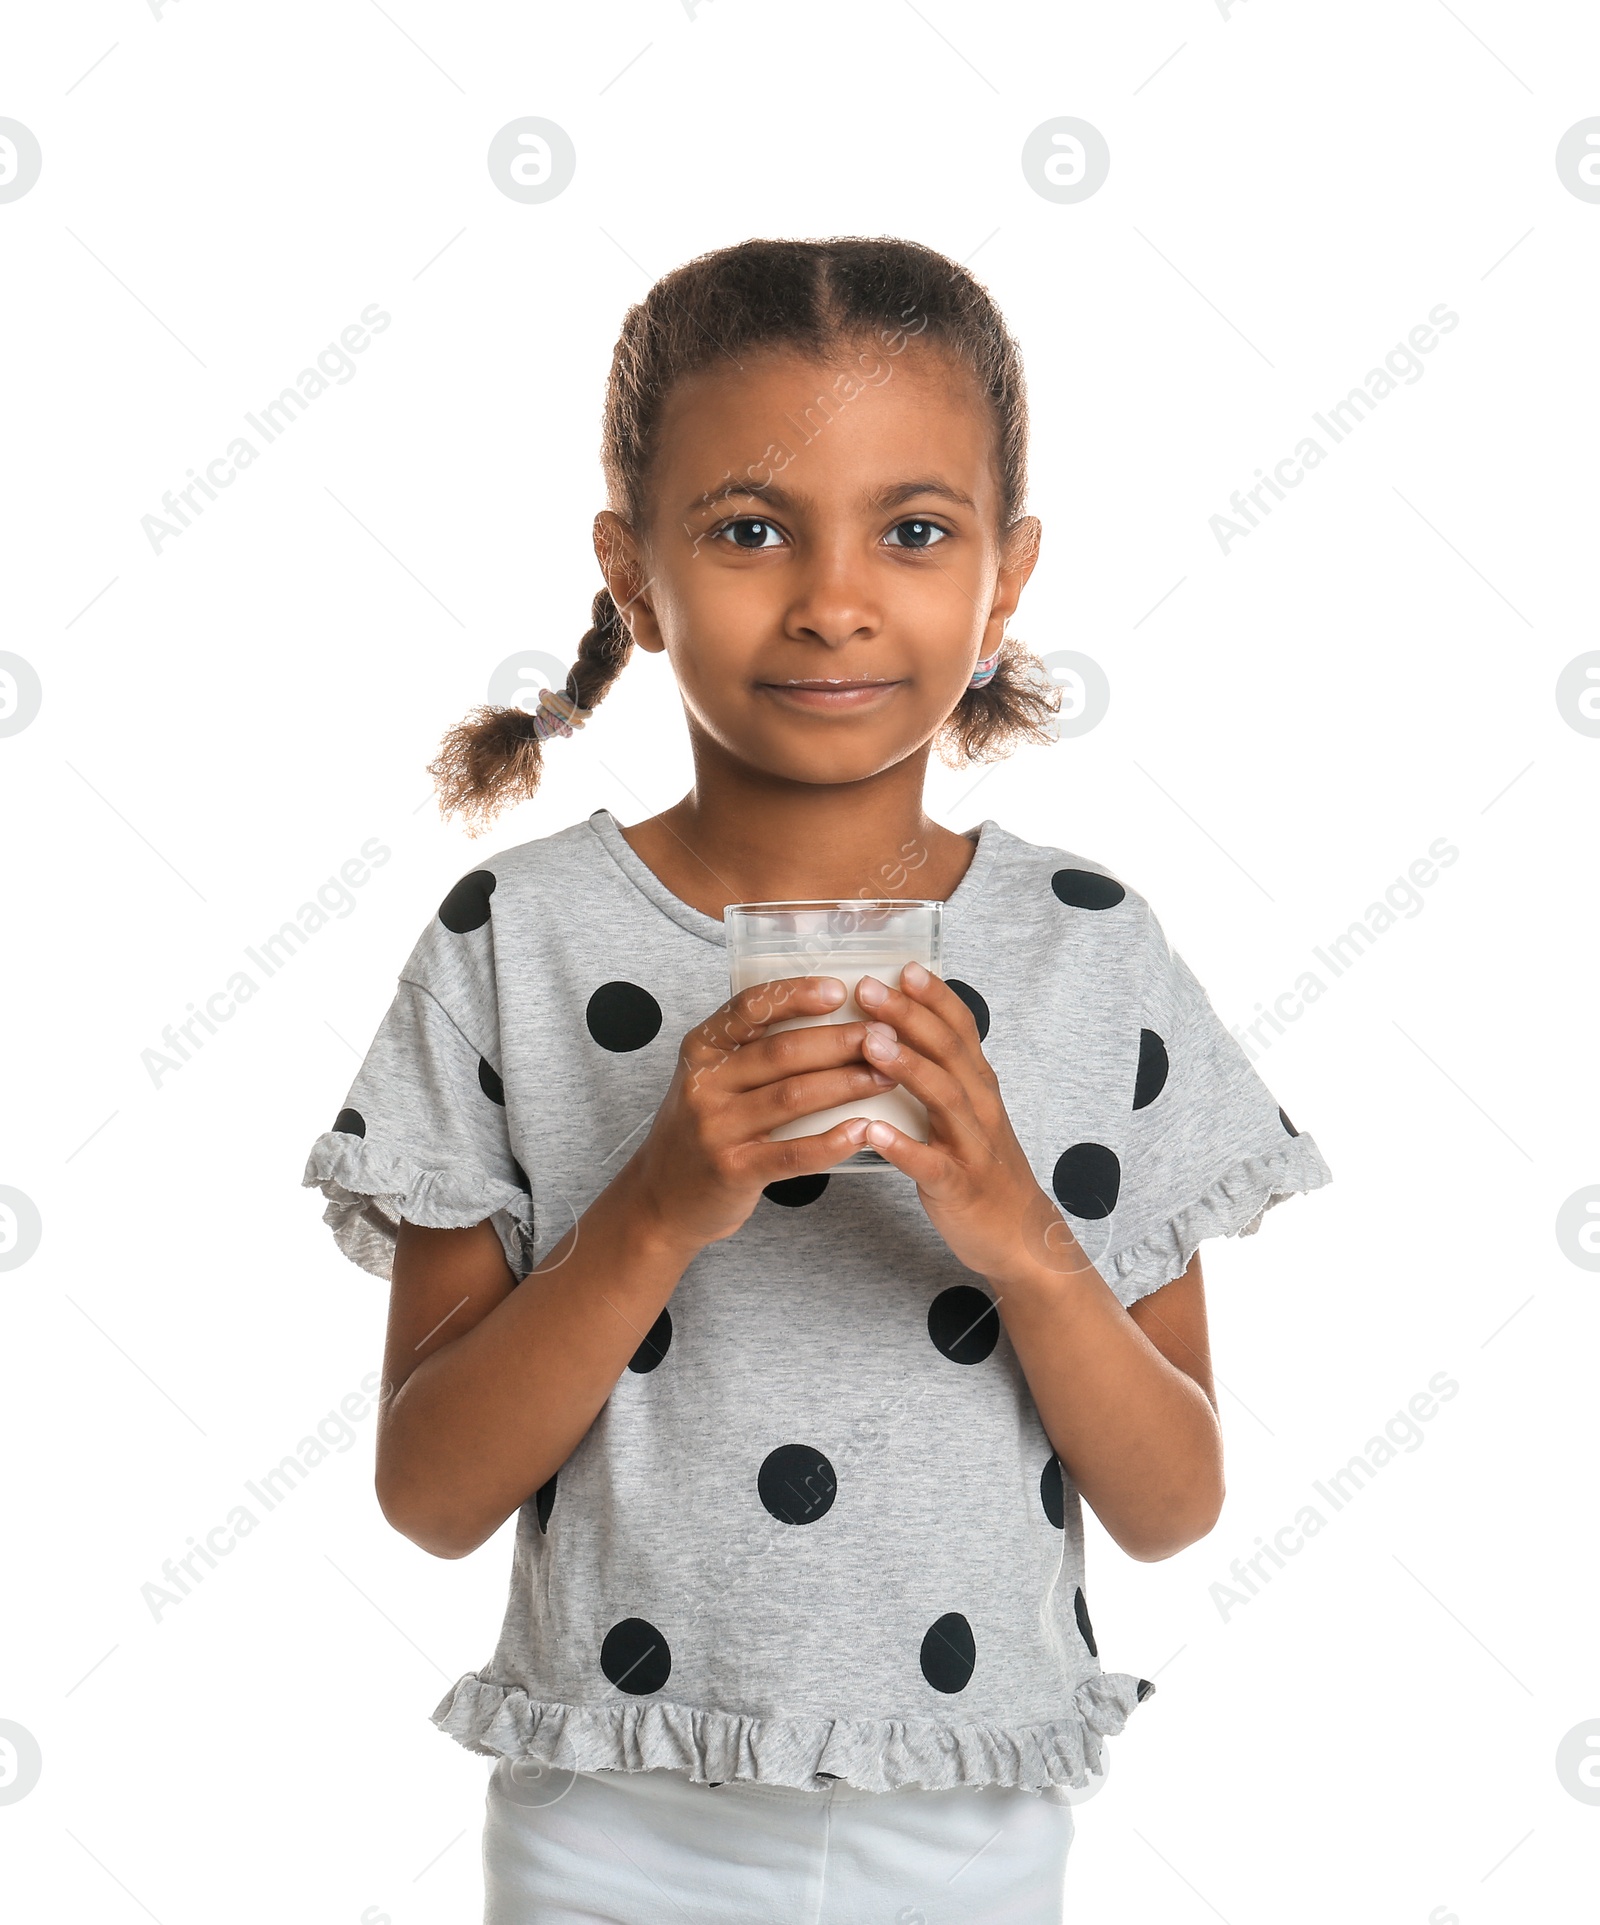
pixel 834 414
pixel 732 385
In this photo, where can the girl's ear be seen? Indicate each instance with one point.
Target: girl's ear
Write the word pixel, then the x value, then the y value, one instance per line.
pixel 621 560
pixel 1017 560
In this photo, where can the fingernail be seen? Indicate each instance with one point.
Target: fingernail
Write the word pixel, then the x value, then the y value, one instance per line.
pixel 870 992
pixel 880 1042
pixel 881 1081
pixel 914 976
pixel 880 1135
pixel 855 1130
pixel 830 989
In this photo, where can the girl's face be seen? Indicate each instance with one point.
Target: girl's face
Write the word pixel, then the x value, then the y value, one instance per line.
pixel 823 562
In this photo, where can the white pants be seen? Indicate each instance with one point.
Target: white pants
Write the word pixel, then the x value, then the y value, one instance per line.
pixel 651 1848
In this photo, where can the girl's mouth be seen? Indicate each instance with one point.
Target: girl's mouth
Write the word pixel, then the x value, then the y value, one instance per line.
pixel 829 695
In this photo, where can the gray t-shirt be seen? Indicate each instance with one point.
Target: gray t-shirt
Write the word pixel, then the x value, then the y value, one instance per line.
pixel 817 1531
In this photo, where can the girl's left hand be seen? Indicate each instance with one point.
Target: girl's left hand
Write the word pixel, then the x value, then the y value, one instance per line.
pixel 972 1176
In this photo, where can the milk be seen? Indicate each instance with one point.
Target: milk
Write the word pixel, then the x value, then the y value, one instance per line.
pixel 896 1106
pixel 772 941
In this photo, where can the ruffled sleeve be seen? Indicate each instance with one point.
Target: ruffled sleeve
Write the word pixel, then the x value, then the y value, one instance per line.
pixel 1207 1150
pixel 421 1137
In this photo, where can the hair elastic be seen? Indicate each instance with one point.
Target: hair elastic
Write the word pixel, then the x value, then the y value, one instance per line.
pixel 985 672
pixel 557 714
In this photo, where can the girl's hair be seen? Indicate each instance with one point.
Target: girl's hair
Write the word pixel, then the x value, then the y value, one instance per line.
pixel 814 297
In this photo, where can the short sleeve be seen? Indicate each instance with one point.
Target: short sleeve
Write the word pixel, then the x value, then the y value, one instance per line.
pixel 1207 1150
pixel 421 1138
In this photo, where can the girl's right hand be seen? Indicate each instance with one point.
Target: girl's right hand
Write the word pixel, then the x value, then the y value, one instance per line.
pixel 702 1168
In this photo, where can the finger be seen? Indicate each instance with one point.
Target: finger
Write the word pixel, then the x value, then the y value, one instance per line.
pixel 747 1016
pixel 933 992
pixel 803 1155
pixel 923 1026
pixel 941 1094
pixel 792 1053
pixel 931 1083
pixel 796 1096
pixel 927 1166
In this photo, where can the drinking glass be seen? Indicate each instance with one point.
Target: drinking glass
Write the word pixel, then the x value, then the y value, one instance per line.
pixel 849 940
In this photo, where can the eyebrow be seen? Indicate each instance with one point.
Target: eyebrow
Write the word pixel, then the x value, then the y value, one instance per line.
pixel 894 497
pixel 740 490
pixel 909 490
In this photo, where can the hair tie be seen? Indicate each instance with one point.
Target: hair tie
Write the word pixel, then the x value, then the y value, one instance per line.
pixel 557 714
pixel 986 670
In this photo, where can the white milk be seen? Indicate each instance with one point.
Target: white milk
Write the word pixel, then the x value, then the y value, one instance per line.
pixel 896 1106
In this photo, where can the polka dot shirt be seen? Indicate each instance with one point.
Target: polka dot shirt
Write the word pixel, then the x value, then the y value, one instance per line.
pixel 817 1532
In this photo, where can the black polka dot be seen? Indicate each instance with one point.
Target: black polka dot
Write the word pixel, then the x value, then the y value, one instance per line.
pixel 1283 1118
pixel 1145 1688
pixel 467 905
pixel 1086 1180
pixel 964 1324
pixel 1084 889
pixel 489 1082
pixel 1152 1077
pixel 522 1177
pixel 1052 1493
pixel 622 1016
pixel 1080 1611
pixel 654 1347
pixel 949 1653
pixel 792 1191
pixel 974 1002
pixel 797 1484
pixel 350 1123
pixel 635 1657
pixel 544 1502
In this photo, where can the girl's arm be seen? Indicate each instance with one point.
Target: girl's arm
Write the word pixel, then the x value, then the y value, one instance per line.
pixel 1125 1396
pixel 490 1385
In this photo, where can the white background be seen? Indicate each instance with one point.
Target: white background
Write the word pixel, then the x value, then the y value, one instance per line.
pixel 224 724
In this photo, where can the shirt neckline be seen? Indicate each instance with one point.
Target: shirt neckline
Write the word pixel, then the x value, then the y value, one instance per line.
pixel 711 929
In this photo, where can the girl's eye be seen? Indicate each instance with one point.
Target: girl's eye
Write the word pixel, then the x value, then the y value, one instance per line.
pixel 915 534
pixel 748 532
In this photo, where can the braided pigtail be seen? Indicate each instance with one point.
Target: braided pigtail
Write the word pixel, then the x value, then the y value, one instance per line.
pixel 495 756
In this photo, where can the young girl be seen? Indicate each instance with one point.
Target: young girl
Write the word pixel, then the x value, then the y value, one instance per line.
pixel 798 1627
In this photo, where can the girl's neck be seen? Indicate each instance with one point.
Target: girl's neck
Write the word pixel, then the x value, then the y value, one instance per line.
pixel 741 836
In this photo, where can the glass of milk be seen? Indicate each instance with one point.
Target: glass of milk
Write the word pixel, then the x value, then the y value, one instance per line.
pixel 870 937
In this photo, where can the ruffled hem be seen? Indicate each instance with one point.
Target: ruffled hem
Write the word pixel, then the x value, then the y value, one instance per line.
pixel 1232 1206
pixel 719 1747
pixel 370 1189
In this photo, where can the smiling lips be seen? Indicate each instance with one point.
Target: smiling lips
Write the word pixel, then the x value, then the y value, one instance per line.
pixel 828 695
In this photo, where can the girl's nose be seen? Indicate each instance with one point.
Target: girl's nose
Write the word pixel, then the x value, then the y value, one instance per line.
pixel 833 603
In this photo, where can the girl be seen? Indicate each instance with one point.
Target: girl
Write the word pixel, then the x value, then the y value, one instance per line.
pixel 797 1626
